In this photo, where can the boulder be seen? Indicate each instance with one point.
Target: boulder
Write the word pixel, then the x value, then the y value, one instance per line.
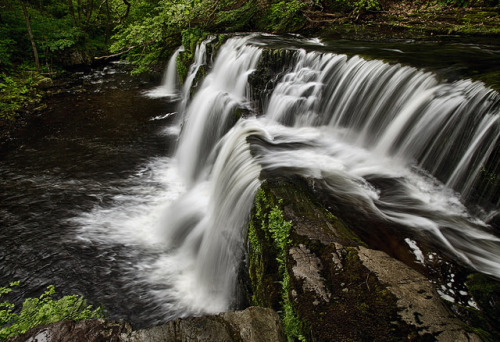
pixel 338 289
pixel 254 324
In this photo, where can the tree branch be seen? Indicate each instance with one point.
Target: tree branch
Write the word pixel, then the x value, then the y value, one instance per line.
pixel 117 54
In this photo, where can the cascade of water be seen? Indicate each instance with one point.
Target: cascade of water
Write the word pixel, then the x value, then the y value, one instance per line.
pixel 203 227
pixel 356 124
pixel 170 83
pixel 200 59
pixel 214 108
pixel 357 128
pixel 217 241
pixel 394 110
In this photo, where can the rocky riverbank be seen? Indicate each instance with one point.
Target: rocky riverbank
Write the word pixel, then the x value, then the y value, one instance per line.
pixel 251 325
pixel 330 286
pixel 325 282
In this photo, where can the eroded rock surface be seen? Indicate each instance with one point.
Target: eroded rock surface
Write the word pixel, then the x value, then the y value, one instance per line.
pixel 417 300
pixel 251 325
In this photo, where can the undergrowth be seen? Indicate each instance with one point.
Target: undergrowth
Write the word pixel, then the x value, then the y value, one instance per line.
pixel 41 311
pixel 15 92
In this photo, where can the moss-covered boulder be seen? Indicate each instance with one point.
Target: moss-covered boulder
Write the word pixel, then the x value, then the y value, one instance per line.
pixel 328 286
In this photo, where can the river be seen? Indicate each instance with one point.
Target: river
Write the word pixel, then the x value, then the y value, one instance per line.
pixel 136 196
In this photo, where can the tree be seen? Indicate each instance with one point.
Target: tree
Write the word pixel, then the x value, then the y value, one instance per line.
pixel 30 33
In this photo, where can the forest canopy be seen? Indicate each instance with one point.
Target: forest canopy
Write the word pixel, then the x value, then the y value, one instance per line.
pixel 48 34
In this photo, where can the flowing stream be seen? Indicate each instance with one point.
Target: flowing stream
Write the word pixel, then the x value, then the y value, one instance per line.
pixel 155 232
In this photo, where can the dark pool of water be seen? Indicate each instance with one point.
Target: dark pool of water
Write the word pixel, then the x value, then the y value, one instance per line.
pixel 73 156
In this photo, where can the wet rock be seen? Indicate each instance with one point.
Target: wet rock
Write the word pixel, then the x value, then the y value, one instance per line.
pixel 417 300
pixel 69 331
pixel 339 289
pixel 251 325
pixel 44 83
pixel 308 268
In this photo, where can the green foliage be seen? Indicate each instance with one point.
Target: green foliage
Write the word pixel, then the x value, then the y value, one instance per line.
pixel 5 50
pixel 42 310
pixel 458 3
pixel 14 93
pixel 191 37
pixel 365 5
pixel 280 232
pixel 285 16
pixel 233 18
pixel 356 7
pixel 58 29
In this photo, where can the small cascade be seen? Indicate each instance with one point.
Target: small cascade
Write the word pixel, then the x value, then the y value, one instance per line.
pixel 215 244
pixel 214 108
pixel 170 83
pixel 200 59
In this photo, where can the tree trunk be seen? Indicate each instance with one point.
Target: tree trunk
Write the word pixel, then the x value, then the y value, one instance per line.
pixel 32 39
pixel 72 11
pixel 79 11
pixel 88 13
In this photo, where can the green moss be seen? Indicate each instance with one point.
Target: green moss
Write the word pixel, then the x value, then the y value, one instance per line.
pixel 263 267
pixel 268 230
pixel 486 292
pixel 359 307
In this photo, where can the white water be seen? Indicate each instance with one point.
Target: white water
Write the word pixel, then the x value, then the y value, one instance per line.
pixel 170 85
pixel 360 129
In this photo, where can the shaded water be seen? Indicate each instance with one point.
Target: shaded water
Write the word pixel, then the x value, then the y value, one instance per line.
pixel 97 203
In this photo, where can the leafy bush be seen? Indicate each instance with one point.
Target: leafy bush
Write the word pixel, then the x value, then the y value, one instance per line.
pixel 42 310
pixel 13 94
pixel 354 6
pixel 285 16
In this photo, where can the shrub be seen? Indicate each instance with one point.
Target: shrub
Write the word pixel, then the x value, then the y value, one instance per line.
pixel 42 310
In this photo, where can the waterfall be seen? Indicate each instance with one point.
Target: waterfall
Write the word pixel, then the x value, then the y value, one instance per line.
pixel 170 83
pixel 214 108
pixel 203 228
pixel 390 141
pixel 200 59
pixel 351 125
pixel 448 129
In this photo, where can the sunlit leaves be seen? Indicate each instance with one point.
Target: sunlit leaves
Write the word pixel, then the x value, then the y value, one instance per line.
pixel 42 310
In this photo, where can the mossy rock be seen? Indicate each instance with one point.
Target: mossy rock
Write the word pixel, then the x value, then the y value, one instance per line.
pixel 332 287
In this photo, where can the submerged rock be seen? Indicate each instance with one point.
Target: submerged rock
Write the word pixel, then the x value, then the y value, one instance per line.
pixel 251 325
